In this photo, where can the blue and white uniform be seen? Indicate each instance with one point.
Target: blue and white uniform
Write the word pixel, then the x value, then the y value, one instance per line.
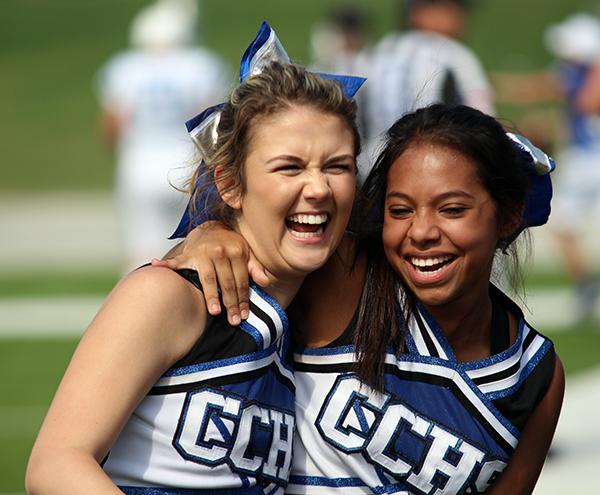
pixel 440 426
pixel 219 421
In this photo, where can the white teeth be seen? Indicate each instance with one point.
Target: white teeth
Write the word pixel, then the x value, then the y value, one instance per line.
pixel 308 219
pixel 429 261
pixel 306 235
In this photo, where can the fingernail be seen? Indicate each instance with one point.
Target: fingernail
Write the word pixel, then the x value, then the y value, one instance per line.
pixel 236 320
pixel 245 314
pixel 214 308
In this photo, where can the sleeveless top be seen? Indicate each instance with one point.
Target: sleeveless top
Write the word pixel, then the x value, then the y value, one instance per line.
pixel 219 421
pixel 440 426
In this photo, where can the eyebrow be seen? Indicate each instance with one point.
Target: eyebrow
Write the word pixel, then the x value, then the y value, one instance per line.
pixel 294 158
pixel 439 197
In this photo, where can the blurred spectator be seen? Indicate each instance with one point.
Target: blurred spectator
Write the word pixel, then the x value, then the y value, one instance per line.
pixel 146 94
pixel 574 81
pixel 340 44
pixel 425 64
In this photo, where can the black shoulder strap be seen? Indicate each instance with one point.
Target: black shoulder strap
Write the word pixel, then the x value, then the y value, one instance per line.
pixel 191 276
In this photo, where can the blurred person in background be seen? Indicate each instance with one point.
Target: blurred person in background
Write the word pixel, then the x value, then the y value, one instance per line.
pixel 340 44
pixel 424 64
pixel 574 82
pixel 146 93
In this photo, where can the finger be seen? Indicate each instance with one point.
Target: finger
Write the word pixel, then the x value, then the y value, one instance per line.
pixel 240 273
pixel 162 263
pixel 175 263
pixel 257 272
pixel 226 281
pixel 208 279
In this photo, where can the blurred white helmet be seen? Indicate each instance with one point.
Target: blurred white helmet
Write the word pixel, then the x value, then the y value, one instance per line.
pixel 165 24
pixel 577 38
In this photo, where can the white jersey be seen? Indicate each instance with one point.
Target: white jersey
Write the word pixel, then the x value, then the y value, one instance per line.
pixel 153 94
pixel 439 426
pixel 418 68
pixel 219 421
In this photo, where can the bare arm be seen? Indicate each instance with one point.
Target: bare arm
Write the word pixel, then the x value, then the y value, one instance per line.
pixel 223 261
pixel 95 397
pixel 525 465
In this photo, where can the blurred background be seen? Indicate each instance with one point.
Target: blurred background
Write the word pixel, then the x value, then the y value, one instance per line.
pixel 65 164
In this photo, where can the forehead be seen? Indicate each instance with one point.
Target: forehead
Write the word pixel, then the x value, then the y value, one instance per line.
pixel 299 126
pixel 433 167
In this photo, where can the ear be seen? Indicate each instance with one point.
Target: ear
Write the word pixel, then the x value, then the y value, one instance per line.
pixel 229 193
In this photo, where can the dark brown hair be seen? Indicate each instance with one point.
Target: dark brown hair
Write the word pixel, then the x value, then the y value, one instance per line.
pixel 387 303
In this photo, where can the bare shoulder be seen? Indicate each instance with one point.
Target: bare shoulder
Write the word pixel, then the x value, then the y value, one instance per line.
pixel 157 304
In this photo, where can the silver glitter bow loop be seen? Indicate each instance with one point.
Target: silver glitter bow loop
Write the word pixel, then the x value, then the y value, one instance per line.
pixel 541 163
pixel 264 49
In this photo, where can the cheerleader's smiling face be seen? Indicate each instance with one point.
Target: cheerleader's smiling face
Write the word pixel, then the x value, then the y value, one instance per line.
pixel 440 228
pixel 299 185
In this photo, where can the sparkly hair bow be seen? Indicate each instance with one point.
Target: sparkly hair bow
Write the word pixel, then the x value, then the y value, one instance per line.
pixel 537 199
pixel 264 49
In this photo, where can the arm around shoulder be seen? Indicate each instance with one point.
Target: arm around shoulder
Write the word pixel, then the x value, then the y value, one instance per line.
pixel 149 321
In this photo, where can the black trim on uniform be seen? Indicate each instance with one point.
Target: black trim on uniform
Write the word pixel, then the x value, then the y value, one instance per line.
pixel 266 319
pixel 224 380
pixel 426 336
pixel 191 276
pixel 519 406
pixel 505 373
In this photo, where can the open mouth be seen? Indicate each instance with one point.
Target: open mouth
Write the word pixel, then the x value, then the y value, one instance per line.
pixel 307 225
pixel 431 265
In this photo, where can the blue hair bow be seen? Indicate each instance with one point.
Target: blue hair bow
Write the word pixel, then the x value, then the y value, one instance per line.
pixel 264 49
pixel 537 200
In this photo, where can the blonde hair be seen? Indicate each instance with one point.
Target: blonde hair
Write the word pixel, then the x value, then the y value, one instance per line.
pixel 277 88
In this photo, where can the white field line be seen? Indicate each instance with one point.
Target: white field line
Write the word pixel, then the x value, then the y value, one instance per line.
pixel 47 316
pixel 70 315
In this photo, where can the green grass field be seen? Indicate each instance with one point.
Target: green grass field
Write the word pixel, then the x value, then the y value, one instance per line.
pixel 52 49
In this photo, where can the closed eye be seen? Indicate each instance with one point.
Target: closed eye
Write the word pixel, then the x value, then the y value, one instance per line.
pixel 454 211
pixel 399 211
pixel 288 168
pixel 340 168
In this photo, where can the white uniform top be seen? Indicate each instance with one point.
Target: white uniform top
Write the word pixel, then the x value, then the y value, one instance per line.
pixel 414 69
pixel 153 94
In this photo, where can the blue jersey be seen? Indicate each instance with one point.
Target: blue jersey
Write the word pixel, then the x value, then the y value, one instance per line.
pixel 221 420
pixel 584 129
pixel 438 427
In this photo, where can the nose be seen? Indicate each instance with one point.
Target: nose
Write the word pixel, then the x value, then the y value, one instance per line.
pixel 317 186
pixel 423 230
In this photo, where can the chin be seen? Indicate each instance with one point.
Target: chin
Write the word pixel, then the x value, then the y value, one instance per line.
pixel 309 264
pixel 432 296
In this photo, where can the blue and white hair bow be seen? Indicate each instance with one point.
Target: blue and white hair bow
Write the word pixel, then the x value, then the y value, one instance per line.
pixel 537 200
pixel 264 49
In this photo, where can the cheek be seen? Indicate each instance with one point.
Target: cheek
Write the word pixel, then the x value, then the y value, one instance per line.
pixel 393 235
pixel 344 191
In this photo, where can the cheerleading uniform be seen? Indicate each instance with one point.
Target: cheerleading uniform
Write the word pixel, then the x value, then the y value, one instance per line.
pixel 221 420
pixel 439 426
